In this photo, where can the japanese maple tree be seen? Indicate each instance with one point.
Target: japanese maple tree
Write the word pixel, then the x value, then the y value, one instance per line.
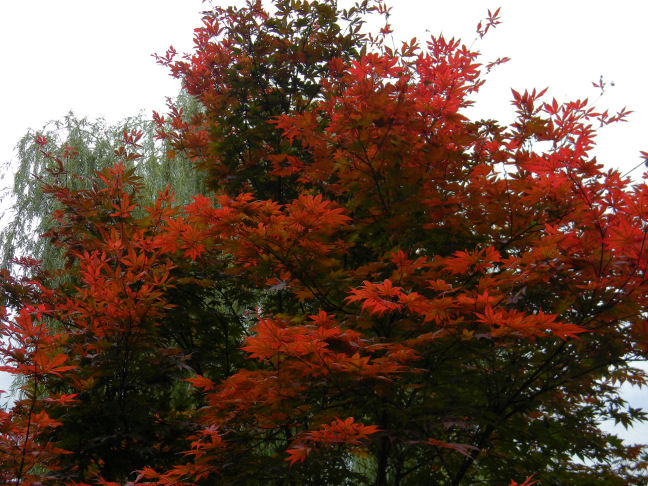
pixel 377 290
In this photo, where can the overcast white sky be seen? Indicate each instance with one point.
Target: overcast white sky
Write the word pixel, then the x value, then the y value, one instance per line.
pixel 94 58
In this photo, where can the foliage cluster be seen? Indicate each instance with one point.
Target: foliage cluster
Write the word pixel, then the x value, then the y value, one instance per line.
pixel 83 147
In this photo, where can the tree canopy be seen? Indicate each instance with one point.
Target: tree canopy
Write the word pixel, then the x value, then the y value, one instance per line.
pixel 372 288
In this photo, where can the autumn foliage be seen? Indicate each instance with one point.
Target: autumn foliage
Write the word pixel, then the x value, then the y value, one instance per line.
pixel 376 290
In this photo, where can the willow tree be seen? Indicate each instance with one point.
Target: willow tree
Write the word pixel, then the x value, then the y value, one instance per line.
pixel 83 146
